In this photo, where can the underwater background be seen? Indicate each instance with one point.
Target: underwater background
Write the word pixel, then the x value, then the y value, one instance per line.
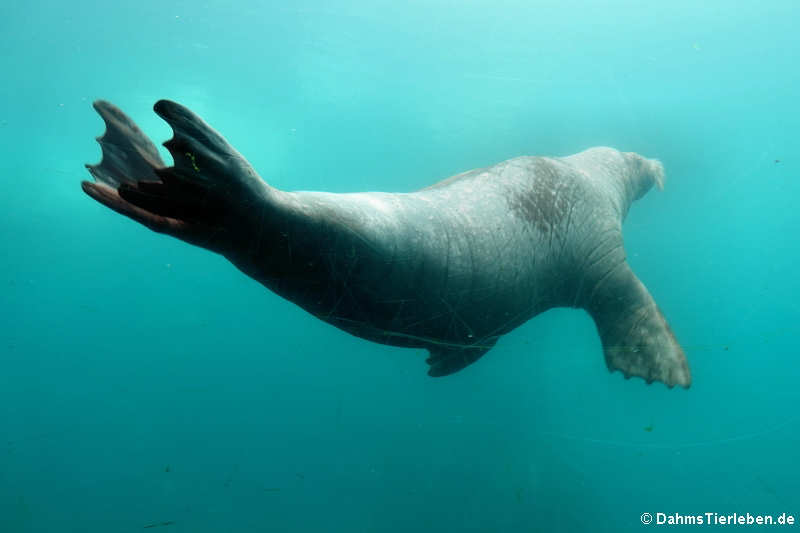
pixel 148 384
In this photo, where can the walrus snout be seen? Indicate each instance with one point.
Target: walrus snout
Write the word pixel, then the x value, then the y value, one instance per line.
pixel 642 174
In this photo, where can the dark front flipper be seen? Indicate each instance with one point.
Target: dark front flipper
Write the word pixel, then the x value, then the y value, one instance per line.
pixel 194 200
pixel 445 360
pixel 637 339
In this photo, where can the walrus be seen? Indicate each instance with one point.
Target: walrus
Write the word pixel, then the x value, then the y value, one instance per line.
pixel 450 268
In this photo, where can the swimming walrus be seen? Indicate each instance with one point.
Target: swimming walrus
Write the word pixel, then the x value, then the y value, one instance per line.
pixel 450 268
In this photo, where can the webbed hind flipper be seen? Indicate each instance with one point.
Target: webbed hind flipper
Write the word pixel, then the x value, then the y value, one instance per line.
pixel 195 199
pixel 128 155
pixel 129 159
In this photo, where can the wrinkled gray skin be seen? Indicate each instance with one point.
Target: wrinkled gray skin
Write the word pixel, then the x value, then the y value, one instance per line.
pixel 449 268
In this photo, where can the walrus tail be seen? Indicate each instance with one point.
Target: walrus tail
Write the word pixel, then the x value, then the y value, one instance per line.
pixel 192 199
pixel 637 340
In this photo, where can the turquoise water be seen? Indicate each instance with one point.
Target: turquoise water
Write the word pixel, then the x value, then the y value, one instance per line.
pixel 149 383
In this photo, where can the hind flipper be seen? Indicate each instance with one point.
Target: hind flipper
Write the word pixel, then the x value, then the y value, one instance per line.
pixel 205 159
pixel 192 200
pixel 129 159
pixel 128 155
